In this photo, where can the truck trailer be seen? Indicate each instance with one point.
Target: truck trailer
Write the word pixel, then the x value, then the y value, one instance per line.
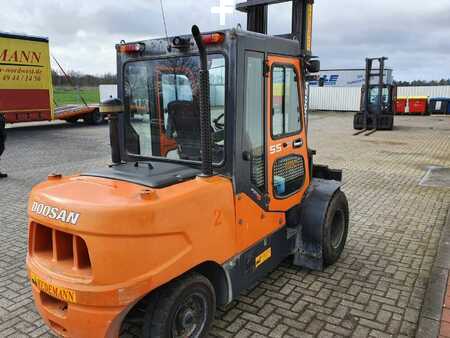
pixel 26 90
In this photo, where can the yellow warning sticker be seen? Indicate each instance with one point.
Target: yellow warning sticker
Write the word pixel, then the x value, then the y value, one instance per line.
pixel 263 257
pixel 57 292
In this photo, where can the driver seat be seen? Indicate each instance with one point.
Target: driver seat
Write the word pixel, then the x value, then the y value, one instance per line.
pixel 185 119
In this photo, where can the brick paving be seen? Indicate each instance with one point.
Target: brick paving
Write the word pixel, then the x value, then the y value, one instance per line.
pixel 376 289
pixel 445 320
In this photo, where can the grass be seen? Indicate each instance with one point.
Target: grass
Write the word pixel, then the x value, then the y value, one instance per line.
pixel 65 95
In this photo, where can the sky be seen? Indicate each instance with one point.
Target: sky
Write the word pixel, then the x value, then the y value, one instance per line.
pixel 414 34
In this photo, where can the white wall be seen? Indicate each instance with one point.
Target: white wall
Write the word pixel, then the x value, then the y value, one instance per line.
pixel 433 91
pixel 348 98
pixel 335 98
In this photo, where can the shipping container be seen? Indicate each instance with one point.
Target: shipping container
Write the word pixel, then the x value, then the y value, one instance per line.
pixel 349 78
pixel 335 98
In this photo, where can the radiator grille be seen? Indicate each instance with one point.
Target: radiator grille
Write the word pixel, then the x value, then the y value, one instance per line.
pixel 60 251
pixel 258 172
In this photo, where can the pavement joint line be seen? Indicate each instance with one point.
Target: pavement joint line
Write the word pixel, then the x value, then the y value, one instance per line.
pixel 431 313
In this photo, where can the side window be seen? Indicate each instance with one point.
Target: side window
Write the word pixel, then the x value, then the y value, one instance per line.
pixel 285 102
pixel 175 87
pixel 254 117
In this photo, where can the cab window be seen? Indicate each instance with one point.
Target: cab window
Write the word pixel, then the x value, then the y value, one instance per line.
pixel 285 102
pixel 161 98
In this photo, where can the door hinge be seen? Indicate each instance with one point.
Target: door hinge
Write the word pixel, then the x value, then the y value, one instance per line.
pixel 266 68
pixel 266 200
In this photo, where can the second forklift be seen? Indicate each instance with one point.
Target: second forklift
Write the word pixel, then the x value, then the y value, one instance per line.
pixel 377 100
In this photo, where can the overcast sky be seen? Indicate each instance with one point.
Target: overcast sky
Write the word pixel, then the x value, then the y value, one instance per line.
pixel 414 34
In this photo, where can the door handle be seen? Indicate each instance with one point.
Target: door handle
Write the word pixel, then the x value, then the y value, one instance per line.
pixel 247 156
pixel 297 143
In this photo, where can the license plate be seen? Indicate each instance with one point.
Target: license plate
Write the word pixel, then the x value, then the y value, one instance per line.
pixel 55 291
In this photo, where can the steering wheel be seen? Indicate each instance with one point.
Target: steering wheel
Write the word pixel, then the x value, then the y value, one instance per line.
pixel 217 124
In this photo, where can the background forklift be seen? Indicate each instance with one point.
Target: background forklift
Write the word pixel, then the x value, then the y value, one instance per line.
pixel 377 100
pixel 150 245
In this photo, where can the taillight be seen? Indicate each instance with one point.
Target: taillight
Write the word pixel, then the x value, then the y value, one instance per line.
pixel 130 48
pixel 214 38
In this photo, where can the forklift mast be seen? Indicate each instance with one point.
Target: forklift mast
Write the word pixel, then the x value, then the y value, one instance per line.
pixel 302 12
pixel 369 86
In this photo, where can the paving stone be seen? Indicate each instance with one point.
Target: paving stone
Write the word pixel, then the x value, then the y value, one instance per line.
pixel 376 288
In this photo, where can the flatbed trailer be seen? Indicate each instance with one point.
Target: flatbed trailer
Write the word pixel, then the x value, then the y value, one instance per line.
pixel 26 90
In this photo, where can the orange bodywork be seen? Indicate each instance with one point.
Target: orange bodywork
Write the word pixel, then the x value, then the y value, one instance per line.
pixel 286 203
pixel 137 239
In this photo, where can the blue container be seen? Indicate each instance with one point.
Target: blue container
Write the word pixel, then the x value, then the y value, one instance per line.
pixel 280 185
pixel 439 106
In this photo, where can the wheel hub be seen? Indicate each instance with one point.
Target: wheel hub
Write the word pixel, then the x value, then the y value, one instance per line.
pixel 190 317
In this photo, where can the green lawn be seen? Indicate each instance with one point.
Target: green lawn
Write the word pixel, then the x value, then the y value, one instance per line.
pixel 64 96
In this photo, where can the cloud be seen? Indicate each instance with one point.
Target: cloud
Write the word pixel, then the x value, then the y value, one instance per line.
pixel 83 33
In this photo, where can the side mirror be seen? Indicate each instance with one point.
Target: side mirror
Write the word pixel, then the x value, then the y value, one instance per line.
pixel 113 108
pixel 313 66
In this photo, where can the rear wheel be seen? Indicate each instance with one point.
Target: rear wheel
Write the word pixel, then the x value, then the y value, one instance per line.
pixel 183 308
pixel 72 120
pixel 335 228
pixel 94 118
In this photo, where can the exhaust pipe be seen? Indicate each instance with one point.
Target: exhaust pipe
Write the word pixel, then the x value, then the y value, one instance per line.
pixel 113 108
pixel 205 109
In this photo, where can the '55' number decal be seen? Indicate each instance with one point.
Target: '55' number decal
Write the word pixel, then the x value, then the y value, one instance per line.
pixel 276 148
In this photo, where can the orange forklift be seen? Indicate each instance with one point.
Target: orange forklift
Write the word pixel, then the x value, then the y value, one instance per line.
pixel 149 246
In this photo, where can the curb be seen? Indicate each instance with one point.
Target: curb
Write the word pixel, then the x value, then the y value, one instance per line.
pixel 430 315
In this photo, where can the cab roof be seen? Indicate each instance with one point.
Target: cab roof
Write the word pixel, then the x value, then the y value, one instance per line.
pixel 272 44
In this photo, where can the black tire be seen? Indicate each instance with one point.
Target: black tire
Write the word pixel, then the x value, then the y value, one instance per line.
pixel 358 122
pixel 95 118
pixel 72 120
pixel 335 228
pixel 183 308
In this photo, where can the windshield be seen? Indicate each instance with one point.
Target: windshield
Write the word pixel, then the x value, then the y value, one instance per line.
pixel 373 96
pixel 162 103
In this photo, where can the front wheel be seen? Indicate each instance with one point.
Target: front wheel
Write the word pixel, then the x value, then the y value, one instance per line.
pixel 335 228
pixel 183 308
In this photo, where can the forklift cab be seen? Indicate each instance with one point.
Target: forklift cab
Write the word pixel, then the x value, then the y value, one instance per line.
pixel 385 104
pixel 257 127
pixel 257 124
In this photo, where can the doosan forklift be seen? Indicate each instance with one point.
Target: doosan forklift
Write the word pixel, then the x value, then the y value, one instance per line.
pixel 212 186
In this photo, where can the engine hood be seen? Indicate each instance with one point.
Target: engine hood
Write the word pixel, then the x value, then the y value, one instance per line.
pixel 153 175
pixel 97 205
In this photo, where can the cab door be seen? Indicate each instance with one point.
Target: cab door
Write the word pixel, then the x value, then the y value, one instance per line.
pixel 286 146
